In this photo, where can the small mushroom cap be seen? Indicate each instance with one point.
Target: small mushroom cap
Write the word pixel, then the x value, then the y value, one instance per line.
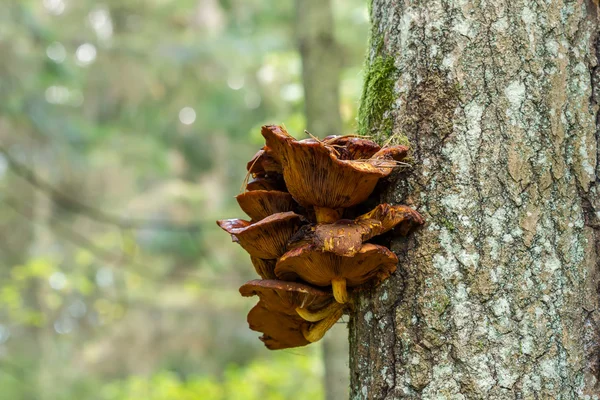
pixel 352 147
pixel 285 297
pixel 263 163
pixel 370 263
pixel 346 237
pixel 398 217
pixel 315 176
pixel 280 331
pixel 267 183
pixel 396 153
pixel 259 204
pixel 267 238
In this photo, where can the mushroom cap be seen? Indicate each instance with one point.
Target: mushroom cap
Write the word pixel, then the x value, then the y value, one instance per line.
pixel 274 182
pixel 263 163
pixel 370 263
pixel 267 238
pixel 285 297
pixel 352 147
pixel 398 217
pixel 264 268
pixel 315 176
pixel 259 204
pixel 346 237
pixel 280 331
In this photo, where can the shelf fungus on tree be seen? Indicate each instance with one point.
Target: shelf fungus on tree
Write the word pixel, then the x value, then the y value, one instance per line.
pixel 267 238
pixel 295 183
pixel 316 176
pixel 292 298
pixel 281 330
pixel 345 237
pixel 259 204
pixel 372 263
pixel 263 163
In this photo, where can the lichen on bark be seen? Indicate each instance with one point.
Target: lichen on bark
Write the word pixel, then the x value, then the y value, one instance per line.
pixel 496 296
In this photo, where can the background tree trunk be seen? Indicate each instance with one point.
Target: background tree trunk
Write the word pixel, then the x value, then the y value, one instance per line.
pixel 496 297
pixel 321 81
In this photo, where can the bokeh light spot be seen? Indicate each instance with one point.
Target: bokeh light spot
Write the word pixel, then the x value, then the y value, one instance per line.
pixel 187 115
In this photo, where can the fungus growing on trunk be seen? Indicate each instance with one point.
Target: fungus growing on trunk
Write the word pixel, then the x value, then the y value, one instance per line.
pixel 292 298
pixel 345 237
pixel 315 176
pixel 297 181
pixel 351 147
pixel 322 268
pixel 267 238
pixel 280 331
pixel 259 204
pixel 263 163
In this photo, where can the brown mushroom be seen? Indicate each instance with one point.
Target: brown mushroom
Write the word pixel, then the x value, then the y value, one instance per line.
pixel 263 163
pixel 315 176
pixel 267 238
pixel 292 298
pixel 280 331
pixel 345 237
pixel 321 268
pixel 259 204
pixel 352 147
pixel 266 183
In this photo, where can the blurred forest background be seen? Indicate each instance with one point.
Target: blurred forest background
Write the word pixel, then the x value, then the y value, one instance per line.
pixel 125 127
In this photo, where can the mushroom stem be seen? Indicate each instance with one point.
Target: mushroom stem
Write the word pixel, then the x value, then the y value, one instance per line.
pixel 314 332
pixel 339 290
pixel 318 315
pixel 327 215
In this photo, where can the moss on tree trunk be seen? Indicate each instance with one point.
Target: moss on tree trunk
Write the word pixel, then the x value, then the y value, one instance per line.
pixel 496 297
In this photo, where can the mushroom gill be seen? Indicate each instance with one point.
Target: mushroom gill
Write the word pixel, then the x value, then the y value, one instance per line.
pixel 291 298
pixel 267 238
pixel 372 263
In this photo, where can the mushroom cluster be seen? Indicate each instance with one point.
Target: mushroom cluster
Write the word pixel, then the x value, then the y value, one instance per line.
pixel 304 237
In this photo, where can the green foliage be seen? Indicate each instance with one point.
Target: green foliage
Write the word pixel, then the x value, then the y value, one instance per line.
pixel 88 304
pixel 282 377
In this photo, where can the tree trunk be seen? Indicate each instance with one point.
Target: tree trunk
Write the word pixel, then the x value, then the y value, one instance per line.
pixel 496 296
pixel 320 76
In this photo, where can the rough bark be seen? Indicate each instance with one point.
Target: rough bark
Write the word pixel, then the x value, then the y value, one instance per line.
pixel 497 296
pixel 320 76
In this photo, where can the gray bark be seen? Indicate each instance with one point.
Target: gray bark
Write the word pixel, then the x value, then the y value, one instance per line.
pixel 320 76
pixel 496 297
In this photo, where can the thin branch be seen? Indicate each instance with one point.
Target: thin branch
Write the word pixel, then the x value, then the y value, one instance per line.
pixel 70 204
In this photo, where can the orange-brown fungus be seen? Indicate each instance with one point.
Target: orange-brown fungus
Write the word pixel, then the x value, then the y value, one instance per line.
pixel 259 204
pixel 266 183
pixel 263 163
pixel 315 176
pixel 266 238
pixel 322 268
pixel 280 331
pixel 295 183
